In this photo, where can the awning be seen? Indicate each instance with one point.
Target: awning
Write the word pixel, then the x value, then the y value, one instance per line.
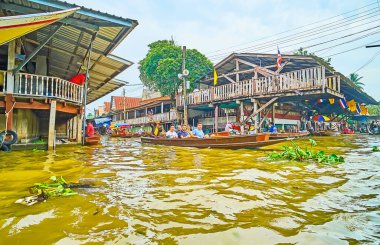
pixel 13 27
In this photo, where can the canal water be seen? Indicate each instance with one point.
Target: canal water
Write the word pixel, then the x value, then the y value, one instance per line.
pixel 168 195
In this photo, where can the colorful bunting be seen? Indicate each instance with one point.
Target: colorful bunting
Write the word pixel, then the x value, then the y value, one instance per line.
pixel 351 105
pixel 332 100
pixel 343 104
pixel 364 110
pixel 358 110
pixel 215 78
pixel 320 101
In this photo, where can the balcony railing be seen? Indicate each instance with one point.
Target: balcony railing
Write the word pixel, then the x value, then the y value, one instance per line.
pixel 162 117
pixel 306 79
pixel 31 85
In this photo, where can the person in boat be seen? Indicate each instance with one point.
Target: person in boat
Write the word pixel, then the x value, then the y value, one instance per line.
pixel 171 134
pixel 272 128
pixel 141 130
pixel 156 129
pixel 251 129
pixel 198 132
pixel 228 127
pixel 183 132
pixel 90 131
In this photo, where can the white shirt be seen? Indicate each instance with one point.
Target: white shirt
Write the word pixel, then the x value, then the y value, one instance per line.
pixel 171 135
pixel 228 127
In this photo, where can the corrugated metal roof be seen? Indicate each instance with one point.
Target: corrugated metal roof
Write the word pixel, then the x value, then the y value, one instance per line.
pixel 67 50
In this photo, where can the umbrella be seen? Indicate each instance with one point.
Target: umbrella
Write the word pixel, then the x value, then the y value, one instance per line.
pixel 321 118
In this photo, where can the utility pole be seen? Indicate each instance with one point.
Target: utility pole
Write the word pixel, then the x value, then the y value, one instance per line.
pixel 184 75
pixel 373 46
pixel 124 117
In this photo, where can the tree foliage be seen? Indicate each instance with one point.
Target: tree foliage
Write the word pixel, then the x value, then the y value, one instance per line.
pixel 374 110
pixel 355 79
pixel 160 68
pixel 304 52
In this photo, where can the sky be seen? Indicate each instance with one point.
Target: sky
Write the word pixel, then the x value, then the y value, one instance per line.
pixel 219 27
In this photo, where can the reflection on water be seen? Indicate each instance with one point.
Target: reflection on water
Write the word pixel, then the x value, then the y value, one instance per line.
pixel 153 194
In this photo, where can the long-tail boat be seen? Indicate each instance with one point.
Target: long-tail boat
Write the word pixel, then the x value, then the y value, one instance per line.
pixel 327 133
pixel 93 140
pixel 227 142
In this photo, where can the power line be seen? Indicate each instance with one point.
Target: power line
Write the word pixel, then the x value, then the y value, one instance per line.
pixel 369 61
pixel 349 50
pixel 294 29
pixel 350 20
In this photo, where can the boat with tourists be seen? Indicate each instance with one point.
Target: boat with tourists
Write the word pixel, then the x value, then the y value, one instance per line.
pixel 226 142
pixel 327 133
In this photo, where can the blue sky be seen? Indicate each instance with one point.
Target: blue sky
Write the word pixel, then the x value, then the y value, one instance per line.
pixel 211 25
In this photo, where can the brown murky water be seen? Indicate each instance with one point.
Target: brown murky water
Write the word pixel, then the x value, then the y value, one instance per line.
pixel 150 194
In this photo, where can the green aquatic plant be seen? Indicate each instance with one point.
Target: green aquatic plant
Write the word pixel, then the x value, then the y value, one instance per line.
pixel 375 149
pixel 296 153
pixel 58 187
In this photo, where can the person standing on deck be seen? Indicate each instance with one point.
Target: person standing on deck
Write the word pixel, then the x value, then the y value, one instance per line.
pixel 89 129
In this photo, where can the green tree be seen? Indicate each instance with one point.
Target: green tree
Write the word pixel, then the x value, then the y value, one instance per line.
pixel 374 110
pixel 354 77
pixel 160 68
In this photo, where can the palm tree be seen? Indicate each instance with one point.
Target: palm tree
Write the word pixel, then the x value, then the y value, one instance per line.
pixel 355 79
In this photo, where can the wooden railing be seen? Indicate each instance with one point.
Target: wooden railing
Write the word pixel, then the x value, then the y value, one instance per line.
pixel 162 117
pixel 31 85
pixel 306 79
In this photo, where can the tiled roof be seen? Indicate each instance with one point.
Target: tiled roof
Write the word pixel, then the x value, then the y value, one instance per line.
pixel 117 102
pixel 143 102
pixel 107 107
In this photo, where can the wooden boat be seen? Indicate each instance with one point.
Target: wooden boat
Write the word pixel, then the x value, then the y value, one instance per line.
pixel 288 135
pixel 93 140
pixel 227 142
pixel 326 133
pixel 12 27
pixel 130 135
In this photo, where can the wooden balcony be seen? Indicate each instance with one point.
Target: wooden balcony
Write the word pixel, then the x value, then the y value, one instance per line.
pixel 161 117
pixel 37 86
pixel 296 82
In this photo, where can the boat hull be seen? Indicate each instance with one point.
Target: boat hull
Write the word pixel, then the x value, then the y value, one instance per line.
pixel 229 142
pixel 287 135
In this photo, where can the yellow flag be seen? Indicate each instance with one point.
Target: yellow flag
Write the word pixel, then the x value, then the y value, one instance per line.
pixel 215 77
pixel 351 105
pixel 332 100
pixel 364 110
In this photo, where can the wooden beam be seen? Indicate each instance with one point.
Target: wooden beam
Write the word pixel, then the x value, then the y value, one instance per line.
pixel 262 70
pixel 51 132
pixel 228 78
pixel 9 111
pixel 259 110
pixel 38 48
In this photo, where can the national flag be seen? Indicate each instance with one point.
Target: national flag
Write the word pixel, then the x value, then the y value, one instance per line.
pixel 279 59
pixel 343 104
pixel 358 110
pixel 320 101
pixel 364 110
pixel 352 105
pixel 215 78
pixel 332 100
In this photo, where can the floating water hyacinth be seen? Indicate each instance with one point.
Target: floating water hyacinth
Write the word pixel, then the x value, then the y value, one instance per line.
pixel 43 191
pixel 294 152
